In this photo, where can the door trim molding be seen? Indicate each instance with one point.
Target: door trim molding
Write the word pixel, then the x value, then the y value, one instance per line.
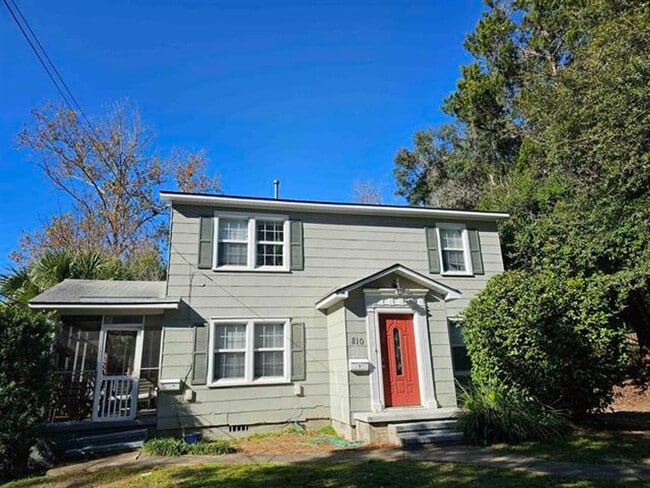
pixel 411 302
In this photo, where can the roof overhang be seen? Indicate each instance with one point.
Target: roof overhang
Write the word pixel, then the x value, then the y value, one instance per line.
pixel 104 307
pixel 340 294
pixel 271 204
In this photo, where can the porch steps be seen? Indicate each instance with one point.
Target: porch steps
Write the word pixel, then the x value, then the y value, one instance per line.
pixel 417 434
pixel 85 446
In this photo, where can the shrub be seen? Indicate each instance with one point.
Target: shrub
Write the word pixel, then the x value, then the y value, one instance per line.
pixel 168 446
pixel 165 446
pixel 558 339
pixel 210 448
pixel 497 413
pixel 25 341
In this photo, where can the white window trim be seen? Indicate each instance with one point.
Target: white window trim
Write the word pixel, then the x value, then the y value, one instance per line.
pixel 249 369
pixel 252 242
pixel 466 251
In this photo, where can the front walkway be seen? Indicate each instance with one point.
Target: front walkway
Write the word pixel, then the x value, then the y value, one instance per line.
pixel 457 454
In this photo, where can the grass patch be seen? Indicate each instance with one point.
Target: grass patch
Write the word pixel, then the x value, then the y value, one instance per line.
pixel 589 446
pixel 170 446
pixel 347 474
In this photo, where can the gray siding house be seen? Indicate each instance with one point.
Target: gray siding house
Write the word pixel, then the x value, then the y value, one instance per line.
pixel 279 311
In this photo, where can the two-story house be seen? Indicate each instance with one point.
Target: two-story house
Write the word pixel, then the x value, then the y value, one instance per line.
pixel 278 311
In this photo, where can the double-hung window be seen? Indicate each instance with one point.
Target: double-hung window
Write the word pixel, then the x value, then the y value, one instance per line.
pixel 460 360
pixel 233 242
pixel 252 243
pixel 249 351
pixel 270 242
pixel 454 249
pixel 459 357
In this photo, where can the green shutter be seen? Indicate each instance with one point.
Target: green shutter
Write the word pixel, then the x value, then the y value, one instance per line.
pixel 298 366
pixel 200 355
pixel 206 247
pixel 297 252
pixel 432 250
pixel 475 251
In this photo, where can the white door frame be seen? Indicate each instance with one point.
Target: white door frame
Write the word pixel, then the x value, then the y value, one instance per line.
pixel 137 364
pixel 389 301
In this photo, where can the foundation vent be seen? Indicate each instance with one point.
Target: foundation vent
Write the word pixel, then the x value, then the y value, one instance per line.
pixel 238 428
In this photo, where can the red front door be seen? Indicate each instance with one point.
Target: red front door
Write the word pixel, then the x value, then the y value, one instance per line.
pixel 399 363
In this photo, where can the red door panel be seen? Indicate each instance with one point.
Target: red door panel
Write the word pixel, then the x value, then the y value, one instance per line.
pixel 399 362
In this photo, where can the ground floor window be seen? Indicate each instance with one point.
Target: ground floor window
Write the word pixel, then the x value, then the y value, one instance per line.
pixel 460 359
pixel 249 351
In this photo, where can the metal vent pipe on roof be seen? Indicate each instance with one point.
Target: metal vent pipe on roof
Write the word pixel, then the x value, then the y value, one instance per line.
pixel 276 189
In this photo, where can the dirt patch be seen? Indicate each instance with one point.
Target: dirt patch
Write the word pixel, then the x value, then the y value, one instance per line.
pixel 631 398
pixel 288 442
pixel 629 411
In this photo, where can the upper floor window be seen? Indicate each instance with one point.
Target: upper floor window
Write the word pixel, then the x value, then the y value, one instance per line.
pixel 233 242
pixel 454 249
pixel 252 243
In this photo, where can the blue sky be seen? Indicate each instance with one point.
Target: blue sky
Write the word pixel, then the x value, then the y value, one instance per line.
pixel 317 94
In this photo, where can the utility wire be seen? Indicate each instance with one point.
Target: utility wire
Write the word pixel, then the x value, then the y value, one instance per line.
pixel 56 78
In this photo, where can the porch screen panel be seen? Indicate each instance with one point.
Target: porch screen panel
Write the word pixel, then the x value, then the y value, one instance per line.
pixel 75 368
pixel 149 370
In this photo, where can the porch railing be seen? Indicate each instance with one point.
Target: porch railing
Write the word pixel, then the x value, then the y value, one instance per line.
pixel 117 398
pixel 72 396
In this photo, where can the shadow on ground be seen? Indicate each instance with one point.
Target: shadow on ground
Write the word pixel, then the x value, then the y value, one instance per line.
pixel 622 420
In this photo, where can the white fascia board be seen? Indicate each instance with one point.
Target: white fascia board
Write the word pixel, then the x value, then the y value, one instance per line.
pixel 449 293
pixel 326 207
pixel 342 293
pixel 331 300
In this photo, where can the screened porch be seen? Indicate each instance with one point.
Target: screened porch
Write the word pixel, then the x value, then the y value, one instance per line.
pixel 105 368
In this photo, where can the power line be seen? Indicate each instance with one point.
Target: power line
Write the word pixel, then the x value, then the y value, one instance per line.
pixel 65 92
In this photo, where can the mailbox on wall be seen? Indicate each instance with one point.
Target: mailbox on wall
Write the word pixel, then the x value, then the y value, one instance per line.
pixel 171 386
pixel 360 366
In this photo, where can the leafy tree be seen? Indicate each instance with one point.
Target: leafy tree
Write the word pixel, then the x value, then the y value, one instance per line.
pixel 25 340
pixel 551 123
pixel 19 286
pixel 112 174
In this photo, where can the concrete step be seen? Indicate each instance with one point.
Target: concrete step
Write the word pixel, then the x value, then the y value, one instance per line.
pixel 439 437
pixel 97 450
pixel 423 426
pixel 410 434
pixel 108 438
pixel 84 446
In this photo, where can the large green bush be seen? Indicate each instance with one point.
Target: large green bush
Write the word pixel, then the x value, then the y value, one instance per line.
pixel 25 341
pixel 556 338
pixel 496 413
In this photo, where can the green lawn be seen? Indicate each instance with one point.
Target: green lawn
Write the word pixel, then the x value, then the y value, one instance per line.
pixel 402 474
pixel 590 446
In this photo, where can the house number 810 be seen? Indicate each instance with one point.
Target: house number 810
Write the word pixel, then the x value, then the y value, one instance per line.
pixel 357 341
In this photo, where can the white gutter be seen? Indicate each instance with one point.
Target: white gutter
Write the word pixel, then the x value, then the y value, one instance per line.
pixel 108 306
pixel 330 300
pixel 326 207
